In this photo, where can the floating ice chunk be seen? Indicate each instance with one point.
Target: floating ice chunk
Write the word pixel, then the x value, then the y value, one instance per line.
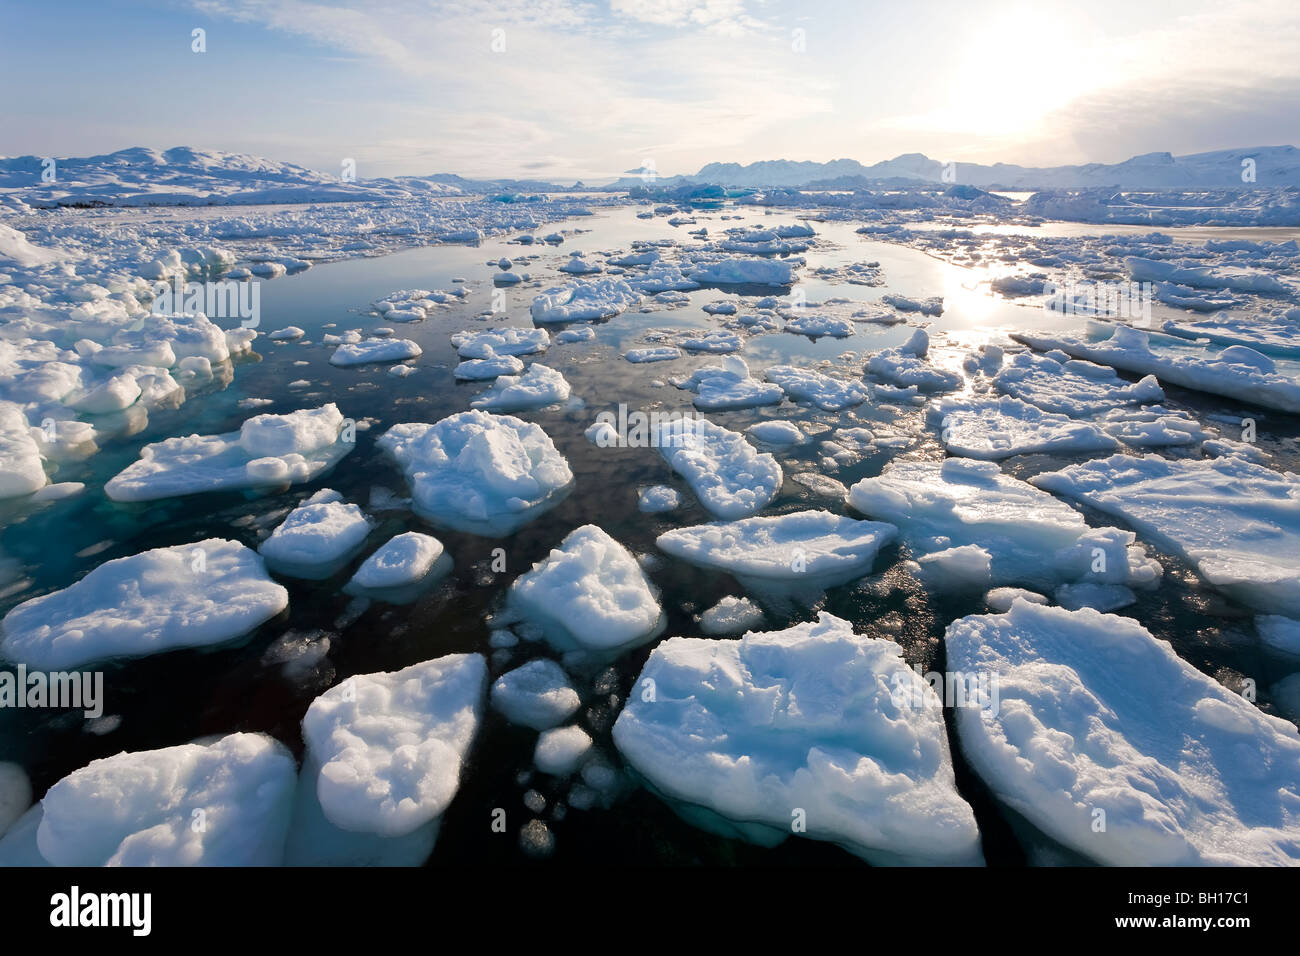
pixel 1001 599
pixel 1237 522
pixel 1239 280
pixel 777 432
pixel 477 370
pixel 286 334
pixel 729 385
pixel 814 717
pixel 479 473
pixel 1154 427
pixel 584 301
pixel 997 428
pixel 536 695
pixel 714 342
pixel 1033 539
pixel 1073 388
pixel 267 451
pixel 731 615
pixel 930 306
pixel 189 595
pixel 823 391
pixel 579 266
pixel 814 547
pixel 815 326
pixel 658 498
pixel 658 353
pixel 21 469
pixel 390 747
pixel 1237 372
pixel 141 809
pixel 711 269
pixel 539 386
pixel 560 751
pixel 317 538
pixel 730 478
pixel 1096 714
pixel 589 594
pixel 1279 338
pixel 375 350
pixel 581 334
pixel 493 342
pixel 905 367
pixel 967 567
pixel 403 560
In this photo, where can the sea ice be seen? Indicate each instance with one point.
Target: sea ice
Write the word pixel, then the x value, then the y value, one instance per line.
pixel 739 736
pixel 479 473
pixel 1098 720
pixel 188 595
pixel 537 387
pixel 731 479
pixel 536 695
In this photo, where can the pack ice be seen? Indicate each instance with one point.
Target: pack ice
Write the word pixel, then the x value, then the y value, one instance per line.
pixel 727 474
pixel 317 537
pixel 1029 537
pixel 1097 717
pixel 1238 372
pixel 478 472
pixel 584 301
pixel 139 809
pixel 590 595
pixel 740 735
pixel 383 762
pixel 994 428
pixel 816 547
pixel 268 451
pixel 1237 522
pixel 189 595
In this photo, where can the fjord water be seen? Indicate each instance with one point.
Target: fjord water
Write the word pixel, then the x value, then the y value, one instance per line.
pixel 180 696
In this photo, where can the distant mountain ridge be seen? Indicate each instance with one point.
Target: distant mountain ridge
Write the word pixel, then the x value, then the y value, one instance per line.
pixel 1272 166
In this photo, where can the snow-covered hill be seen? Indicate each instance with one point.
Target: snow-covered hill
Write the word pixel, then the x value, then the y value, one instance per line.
pixel 185 176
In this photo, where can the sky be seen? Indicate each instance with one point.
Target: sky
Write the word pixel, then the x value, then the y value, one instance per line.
pixel 565 89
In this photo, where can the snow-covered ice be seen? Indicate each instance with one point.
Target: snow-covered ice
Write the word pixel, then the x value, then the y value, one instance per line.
pixel 731 478
pixel 813 717
pixel 537 695
pixel 188 595
pixel 1095 714
pixel 317 537
pixel 478 472
pixel 539 385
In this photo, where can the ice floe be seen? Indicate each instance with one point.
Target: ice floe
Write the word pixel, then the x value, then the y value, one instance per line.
pixel 479 472
pixel 731 478
pixel 814 725
pixel 1099 721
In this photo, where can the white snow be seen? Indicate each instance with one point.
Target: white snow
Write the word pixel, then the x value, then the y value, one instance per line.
pixel 478 472
pixel 1095 714
pixel 189 595
pixel 402 560
pixel 658 498
pixel 1033 539
pixel 584 301
pixel 824 392
pixel 268 451
pixel 731 615
pixel 817 547
pixel 537 387
pixel 1075 388
pixel 560 751
pixel 489 343
pixel 994 428
pixel 477 370
pixel 728 385
pixel 731 479
pixel 139 809
pixel 536 695
pixel 1237 522
pixel 375 350
pixel 317 537
pixel 814 718
pixel 589 594
pixel 390 747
